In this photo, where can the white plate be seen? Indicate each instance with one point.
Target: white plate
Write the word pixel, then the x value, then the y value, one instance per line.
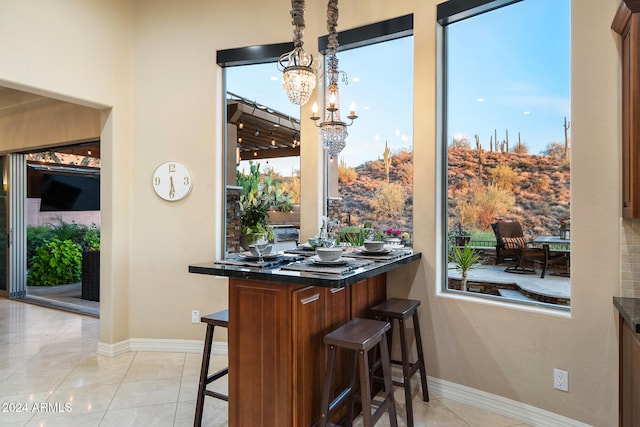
pixel 251 257
pixel 316 260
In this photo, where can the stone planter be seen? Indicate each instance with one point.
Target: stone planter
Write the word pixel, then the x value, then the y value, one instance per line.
pixel 91 275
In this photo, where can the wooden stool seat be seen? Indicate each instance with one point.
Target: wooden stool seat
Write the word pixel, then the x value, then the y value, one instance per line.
pixel 401 310
pixel 220 318
pixel 359 335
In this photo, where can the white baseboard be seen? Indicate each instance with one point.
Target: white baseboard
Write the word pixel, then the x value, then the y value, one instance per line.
pixel 480 399
pixel 166 345
pixel 500 405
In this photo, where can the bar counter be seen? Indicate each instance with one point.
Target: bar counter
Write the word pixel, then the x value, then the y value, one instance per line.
pixel 277 320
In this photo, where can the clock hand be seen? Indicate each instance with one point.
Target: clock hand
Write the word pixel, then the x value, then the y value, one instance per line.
pixel 172 189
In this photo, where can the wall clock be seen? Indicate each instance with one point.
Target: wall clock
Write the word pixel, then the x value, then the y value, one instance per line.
pixel 172 181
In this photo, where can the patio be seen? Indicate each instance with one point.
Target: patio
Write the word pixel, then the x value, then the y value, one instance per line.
pixel 552 289
pixel 65 297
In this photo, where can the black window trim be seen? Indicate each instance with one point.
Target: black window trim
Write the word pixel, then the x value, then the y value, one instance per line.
pixel 453 11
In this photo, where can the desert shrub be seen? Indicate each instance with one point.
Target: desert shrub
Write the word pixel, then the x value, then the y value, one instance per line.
pixel 520 148
pixel 541 183
pixel 388 200
pixel 483 204
pixel 56 262
pixel 405 172
pixel 346 174
pixel 555 150
pixel 504 177
pixel 460 142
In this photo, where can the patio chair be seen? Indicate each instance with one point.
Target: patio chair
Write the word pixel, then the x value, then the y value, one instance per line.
pixel 512 246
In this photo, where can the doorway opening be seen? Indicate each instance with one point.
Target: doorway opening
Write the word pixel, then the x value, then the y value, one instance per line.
pixel 62 220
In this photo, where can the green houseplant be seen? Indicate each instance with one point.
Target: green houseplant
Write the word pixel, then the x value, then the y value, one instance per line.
pixel 254 206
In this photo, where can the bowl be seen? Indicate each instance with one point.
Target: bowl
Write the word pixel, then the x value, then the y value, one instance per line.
pixel 373 245
pixel 329 254
pixel 267 250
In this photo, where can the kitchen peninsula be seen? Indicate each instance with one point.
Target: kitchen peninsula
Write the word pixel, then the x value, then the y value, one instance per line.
pixel 277 320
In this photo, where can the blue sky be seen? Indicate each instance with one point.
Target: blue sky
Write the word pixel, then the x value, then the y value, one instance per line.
pixel 510 69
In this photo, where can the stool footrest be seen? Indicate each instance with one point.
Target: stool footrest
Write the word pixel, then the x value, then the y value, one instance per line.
pixel 221 373
pixel 340 399
pixel 216 395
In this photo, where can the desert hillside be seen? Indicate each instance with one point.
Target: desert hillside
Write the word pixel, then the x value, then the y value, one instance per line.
pixel 533 189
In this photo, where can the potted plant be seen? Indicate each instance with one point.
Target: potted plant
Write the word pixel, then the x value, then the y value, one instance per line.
pixel 465 258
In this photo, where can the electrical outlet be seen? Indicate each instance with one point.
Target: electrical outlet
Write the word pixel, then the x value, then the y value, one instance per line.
pixel 561 380
pixel 195 316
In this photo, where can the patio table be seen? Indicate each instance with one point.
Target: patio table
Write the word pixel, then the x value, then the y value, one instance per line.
pixel 546 241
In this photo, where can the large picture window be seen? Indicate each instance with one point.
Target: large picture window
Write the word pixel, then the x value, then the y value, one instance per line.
pixel 507 150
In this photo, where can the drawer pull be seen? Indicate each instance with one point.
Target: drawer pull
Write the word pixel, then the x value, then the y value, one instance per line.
pixel 310 299
pixel 335 290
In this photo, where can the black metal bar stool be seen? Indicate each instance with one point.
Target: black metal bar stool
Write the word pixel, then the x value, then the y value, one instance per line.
pixel 360 336
pixel 221 318
pixel 401 310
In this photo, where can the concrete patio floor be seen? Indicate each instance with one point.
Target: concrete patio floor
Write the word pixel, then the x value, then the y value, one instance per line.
pixel 552 286
pixel 64 297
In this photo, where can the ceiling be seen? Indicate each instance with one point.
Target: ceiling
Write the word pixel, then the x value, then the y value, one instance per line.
pixel 13 101
pixel 265 133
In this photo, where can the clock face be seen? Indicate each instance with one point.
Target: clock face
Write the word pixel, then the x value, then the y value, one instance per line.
pixel 172 181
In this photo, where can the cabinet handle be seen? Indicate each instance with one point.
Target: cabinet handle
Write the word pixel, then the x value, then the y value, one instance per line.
pixel 335 290
pixel 310 299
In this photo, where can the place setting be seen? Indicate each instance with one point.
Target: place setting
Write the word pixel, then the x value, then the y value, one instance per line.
pixel 260 255
pixel 328 261
pixel 377 250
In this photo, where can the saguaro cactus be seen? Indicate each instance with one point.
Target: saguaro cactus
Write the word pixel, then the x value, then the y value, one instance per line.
pixel 566 126
pixel 387 159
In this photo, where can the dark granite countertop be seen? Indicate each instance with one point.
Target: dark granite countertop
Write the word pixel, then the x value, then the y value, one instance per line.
pixel 629 308
pixel 303 278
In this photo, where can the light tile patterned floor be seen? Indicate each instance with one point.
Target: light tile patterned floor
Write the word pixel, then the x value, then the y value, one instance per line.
pixel 50 375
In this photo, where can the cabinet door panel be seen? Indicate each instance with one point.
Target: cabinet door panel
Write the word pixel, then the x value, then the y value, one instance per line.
pixel 308 362
pixel 259 354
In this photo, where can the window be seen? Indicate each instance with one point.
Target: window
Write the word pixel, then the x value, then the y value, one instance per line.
pixel 370 183
pixel 262 168
pixel 506 149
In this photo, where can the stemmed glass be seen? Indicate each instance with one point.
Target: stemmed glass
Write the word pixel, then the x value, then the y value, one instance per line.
pixel 260 242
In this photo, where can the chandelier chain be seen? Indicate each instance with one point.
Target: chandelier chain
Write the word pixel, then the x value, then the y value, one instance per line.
pixel 332 25
pixel 297 20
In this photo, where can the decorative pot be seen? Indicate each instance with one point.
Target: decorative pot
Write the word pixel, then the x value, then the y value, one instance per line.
pixel 463 240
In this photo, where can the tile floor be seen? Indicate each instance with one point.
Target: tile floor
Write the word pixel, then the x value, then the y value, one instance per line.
pixel 50 375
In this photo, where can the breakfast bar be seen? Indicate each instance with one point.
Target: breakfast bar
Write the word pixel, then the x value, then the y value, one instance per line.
pixel 278 316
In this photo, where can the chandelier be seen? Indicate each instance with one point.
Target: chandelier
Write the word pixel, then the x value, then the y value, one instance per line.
pixel 298 70
pixel 333 131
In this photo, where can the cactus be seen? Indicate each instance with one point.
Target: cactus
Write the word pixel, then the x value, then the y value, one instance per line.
pixel 507 141
pixel 387 159
pixel 566 126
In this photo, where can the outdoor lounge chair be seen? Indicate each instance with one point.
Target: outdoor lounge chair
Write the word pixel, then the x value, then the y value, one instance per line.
pixel 512 246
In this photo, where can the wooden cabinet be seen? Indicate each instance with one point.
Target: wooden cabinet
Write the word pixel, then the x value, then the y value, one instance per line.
pixel 627 23
pixel 629 376
pixel 277 358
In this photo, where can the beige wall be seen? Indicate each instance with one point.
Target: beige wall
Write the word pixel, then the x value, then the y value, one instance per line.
pixel 150 67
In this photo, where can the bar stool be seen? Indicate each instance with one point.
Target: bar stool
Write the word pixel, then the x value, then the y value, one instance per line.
pixel 221 318
pixel 401 310
pixel 360 336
